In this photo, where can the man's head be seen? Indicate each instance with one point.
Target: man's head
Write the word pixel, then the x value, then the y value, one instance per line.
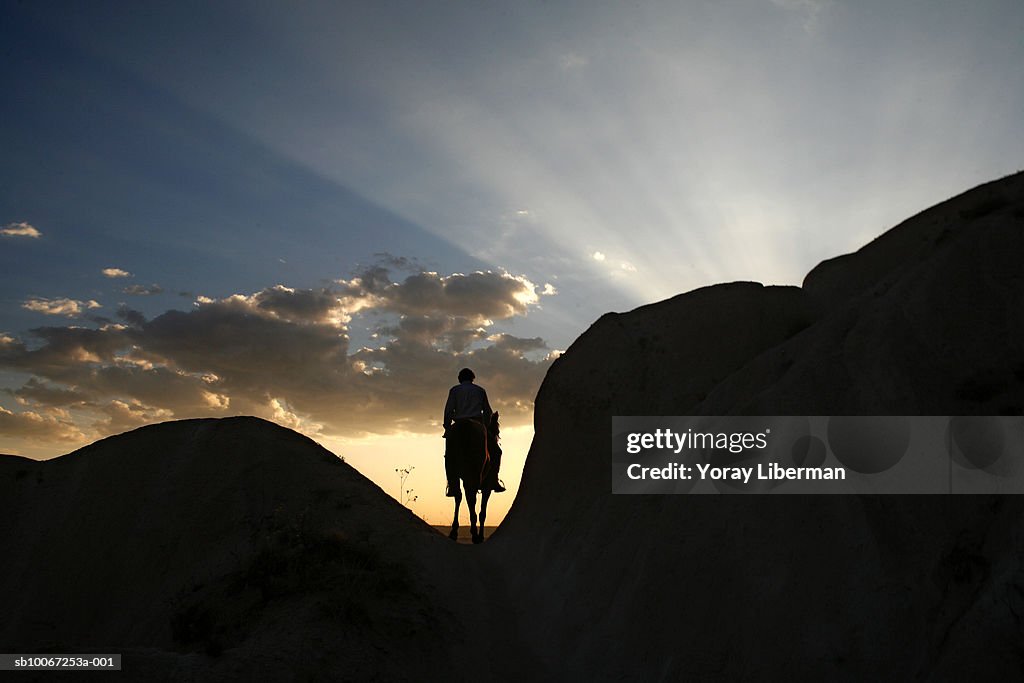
pixel 466 375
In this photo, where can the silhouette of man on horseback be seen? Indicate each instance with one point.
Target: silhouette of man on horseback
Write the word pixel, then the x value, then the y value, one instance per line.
pixel 472 454
pixel 466 401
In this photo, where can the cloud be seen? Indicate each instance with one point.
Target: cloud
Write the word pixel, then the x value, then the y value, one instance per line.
pixel 71 308
pixel 249 348
pixel 286 354
pixel 517 345
pixel 125 415
pixel 115 272
pixel 130 316
pixel 63 353
pixel 20 230
pixel 571 61
pixel 43 393
pixel 598 256
pixel 308 305
pixel 37 426
pixel 283 415
pixel 389 260
pixel 143 290
pixel 475 296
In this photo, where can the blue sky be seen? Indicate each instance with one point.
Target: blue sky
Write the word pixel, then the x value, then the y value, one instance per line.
pixel 294 164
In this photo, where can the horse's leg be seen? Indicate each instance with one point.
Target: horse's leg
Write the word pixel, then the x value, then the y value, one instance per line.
pixel 485 495
pixel 454 533
pixel 471 502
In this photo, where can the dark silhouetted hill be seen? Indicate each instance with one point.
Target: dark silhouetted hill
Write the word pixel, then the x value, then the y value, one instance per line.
pixel 928 319
pixel 228 548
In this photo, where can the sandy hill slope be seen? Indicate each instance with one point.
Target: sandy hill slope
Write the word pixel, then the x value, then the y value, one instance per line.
pixel 927 319
pixel 218 548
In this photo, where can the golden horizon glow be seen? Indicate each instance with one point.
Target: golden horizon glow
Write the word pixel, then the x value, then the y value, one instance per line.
pixel 377 457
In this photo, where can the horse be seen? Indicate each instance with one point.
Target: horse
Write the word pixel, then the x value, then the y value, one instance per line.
pixel 467 460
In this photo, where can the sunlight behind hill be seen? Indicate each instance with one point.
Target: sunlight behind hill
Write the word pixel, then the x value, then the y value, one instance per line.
pixel 378 457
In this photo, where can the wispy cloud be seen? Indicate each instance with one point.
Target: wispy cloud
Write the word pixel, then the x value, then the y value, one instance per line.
pixel 143 290
pixel 71 308
pixel 115 272
pixel 20 230
pixel 571 60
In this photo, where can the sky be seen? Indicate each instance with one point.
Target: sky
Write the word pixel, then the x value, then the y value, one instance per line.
pixel 318 212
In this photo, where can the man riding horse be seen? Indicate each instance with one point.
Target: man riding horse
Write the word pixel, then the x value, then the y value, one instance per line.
pixel 467 417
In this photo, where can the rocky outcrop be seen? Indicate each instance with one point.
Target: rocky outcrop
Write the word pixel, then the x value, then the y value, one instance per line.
pixel 926 319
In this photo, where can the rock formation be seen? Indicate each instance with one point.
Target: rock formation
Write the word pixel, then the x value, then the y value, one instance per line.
pixel 928 319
